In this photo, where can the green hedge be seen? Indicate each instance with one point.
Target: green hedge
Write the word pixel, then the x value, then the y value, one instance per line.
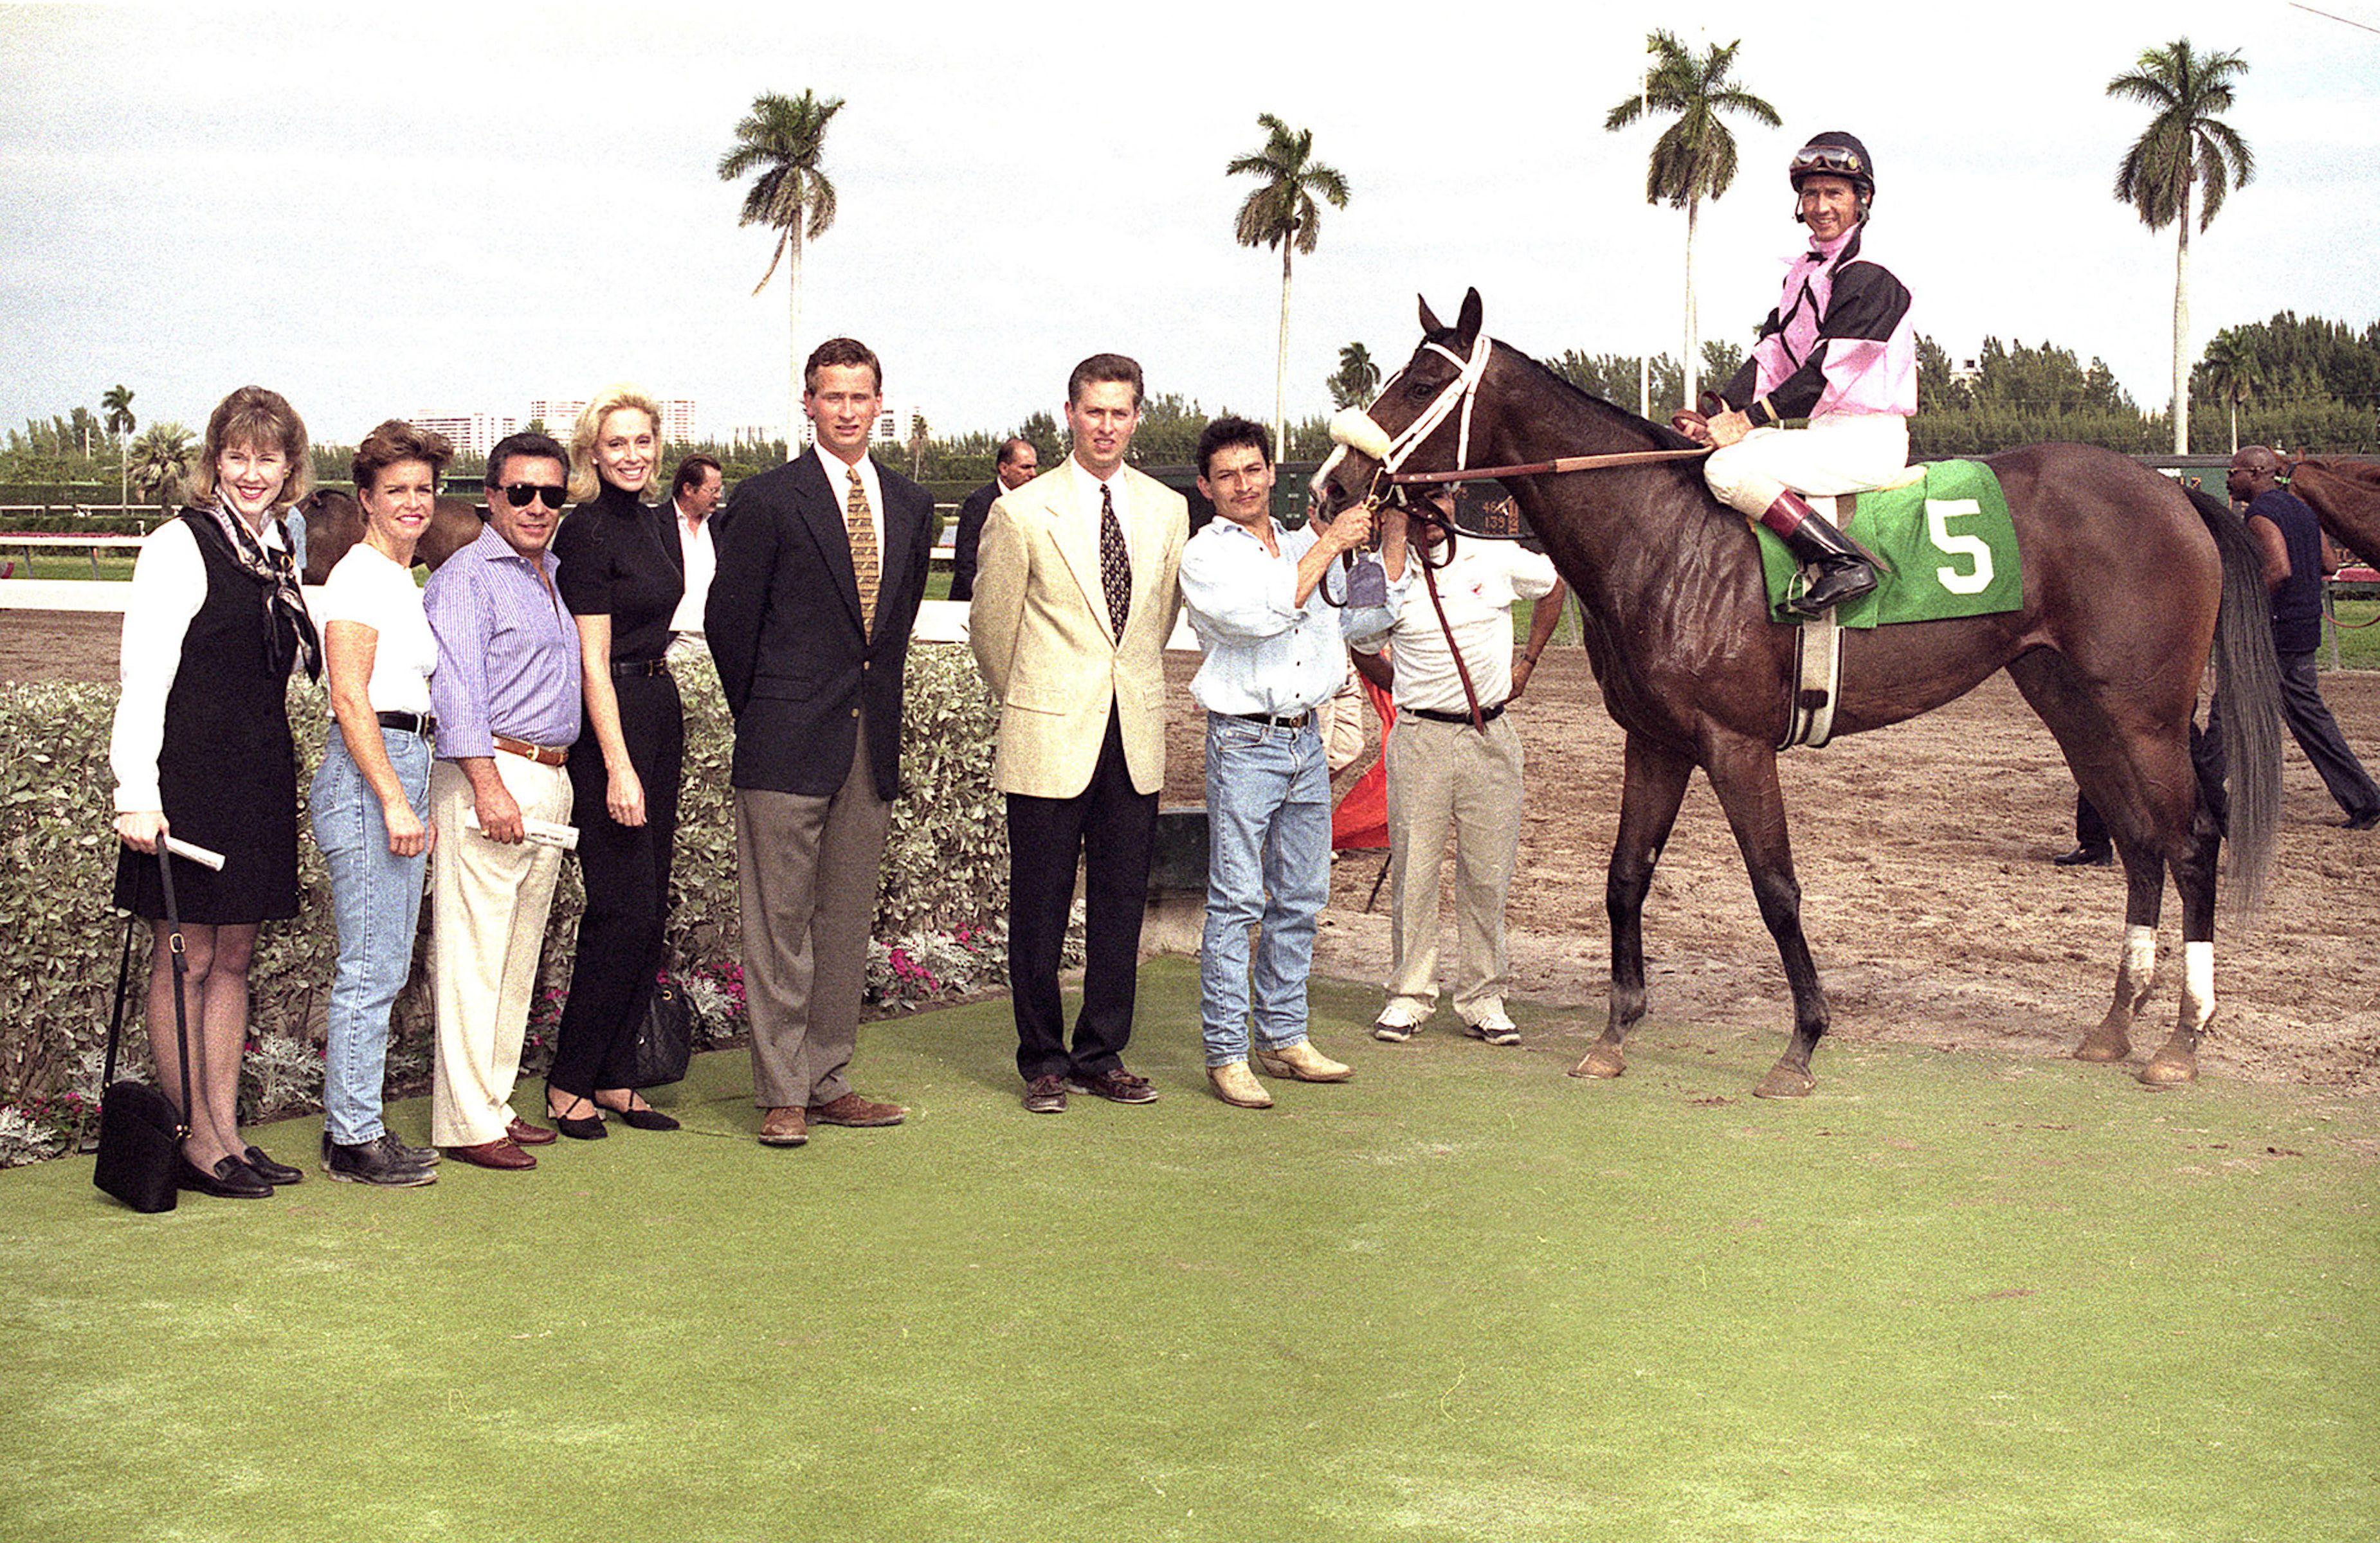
pixel 944 871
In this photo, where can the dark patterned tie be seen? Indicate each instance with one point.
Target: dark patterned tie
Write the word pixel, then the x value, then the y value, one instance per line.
pixel 1116 562
pixel 865 564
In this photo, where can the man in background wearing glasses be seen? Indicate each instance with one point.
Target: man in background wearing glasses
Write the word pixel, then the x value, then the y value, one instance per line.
pixel 507 696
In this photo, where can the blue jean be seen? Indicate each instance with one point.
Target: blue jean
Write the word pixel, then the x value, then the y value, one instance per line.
pixel 1268 863
pixel 376 899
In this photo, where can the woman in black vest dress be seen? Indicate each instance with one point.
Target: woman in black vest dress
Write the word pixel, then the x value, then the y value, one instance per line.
pixel 201 751
pixel 622 575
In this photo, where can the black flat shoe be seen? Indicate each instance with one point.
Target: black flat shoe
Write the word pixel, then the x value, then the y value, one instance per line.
pixel 2086 856
pixel 645 1119
pixel 585 1128
pixel 271 1173
pixel 232 1180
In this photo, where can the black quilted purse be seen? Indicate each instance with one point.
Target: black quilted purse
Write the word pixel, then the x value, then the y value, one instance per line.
pixel 665 1038
pixel 141 1132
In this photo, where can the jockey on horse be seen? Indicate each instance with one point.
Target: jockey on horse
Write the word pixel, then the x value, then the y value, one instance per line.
pixel 1838 350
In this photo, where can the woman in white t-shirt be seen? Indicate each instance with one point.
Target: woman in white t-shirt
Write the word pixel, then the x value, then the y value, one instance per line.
pixel 371 796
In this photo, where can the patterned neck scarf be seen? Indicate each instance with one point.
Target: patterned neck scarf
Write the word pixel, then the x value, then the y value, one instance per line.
pixel 288 627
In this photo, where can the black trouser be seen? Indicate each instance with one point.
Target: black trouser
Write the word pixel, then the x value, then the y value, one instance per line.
pixel 1112 829
pixel 626 873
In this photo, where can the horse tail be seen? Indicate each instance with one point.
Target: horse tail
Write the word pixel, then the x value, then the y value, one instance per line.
pixel 2248 681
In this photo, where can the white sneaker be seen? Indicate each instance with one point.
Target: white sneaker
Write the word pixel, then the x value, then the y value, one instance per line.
pixel 1400 1020
pixel 1494 1027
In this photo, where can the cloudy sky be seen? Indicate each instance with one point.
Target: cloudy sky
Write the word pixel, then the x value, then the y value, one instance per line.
pixel 389 210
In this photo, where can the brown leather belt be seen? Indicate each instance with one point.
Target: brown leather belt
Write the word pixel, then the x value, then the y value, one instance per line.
pixel 544 755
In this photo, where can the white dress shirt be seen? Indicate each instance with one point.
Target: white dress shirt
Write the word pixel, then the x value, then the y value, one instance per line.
pixel 1478 588
pixel 838 477
pixel 701 557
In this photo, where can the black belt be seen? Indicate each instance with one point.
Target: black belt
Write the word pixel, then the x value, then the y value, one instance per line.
pixel 1487 714
pixel 622 668
pixel 409 722
pixel 1272 720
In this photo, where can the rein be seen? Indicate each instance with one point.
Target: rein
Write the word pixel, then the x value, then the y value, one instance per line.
pixel 1538 469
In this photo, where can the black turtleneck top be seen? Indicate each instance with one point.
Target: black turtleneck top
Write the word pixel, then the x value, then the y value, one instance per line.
pixel 620 559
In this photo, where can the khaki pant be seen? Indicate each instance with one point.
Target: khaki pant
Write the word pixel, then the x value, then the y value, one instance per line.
pixel 489 904
pixel 1447 777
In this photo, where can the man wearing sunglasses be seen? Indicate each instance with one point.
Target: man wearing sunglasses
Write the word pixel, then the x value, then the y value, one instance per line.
pixel 1839 351
pixel 505 694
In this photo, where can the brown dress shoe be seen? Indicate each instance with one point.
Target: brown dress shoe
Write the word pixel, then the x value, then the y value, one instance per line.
pixel 502 1152
pixel 1117 1086
pixel 785 1127
pixel 1046 1096
pixel 527 1135
pixel 853 1110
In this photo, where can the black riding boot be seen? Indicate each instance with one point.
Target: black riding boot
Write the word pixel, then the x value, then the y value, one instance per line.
pixel 1844 572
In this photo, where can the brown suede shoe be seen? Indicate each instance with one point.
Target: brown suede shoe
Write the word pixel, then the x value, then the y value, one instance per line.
pixel 785 1127
pixel 1117 1086
pixel 858 1112
pixel 501 1153
pixel 527 1135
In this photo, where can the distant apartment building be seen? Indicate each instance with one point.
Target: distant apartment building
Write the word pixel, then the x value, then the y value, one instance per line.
pixel 558 414
pixel 470 433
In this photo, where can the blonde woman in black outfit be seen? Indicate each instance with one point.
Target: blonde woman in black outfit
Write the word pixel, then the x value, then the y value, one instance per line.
pixel 621 575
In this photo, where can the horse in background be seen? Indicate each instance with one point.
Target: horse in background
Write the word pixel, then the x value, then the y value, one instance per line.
pixel 2127 581
pixel 334 522
pixel 2346 497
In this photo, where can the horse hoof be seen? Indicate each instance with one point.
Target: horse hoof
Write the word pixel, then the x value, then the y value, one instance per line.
pixel 1786 1082
pixel 2171 1068
pixel 1602 1061
pixel 2102 1047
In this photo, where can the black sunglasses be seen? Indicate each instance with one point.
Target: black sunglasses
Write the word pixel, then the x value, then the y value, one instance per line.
pixel 520 495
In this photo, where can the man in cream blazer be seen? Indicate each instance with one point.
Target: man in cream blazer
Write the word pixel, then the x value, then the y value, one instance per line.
pixel 1075 591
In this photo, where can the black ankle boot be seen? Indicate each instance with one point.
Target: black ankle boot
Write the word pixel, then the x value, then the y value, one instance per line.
pixel 1844 572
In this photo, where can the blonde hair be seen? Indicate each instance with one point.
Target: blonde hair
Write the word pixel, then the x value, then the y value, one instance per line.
pixel 256 418
pixel 584 483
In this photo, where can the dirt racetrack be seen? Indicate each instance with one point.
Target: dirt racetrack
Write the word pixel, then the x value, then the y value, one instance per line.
pixel 1928 891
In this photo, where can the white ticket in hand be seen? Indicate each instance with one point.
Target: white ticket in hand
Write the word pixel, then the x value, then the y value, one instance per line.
pixel 545 832
pixel 189 853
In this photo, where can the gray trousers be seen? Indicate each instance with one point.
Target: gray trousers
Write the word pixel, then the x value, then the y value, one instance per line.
pixel 807 873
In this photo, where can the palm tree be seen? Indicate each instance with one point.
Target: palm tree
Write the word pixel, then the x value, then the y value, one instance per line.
pixel 117 401
pixel 1282 213
pixel 160 462
pixel 780 139
pixel 2184 146
pixel 1358 377
pixel 2234 374
pixel 1694 157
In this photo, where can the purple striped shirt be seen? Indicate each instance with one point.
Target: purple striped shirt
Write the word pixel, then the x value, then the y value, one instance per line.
pixel 507 651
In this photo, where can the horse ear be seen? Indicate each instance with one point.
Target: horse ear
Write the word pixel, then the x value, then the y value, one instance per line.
pixel 1430 324
pixel 1467 323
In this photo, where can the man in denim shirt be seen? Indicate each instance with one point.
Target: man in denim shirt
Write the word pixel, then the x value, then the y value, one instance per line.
pixel 1261 600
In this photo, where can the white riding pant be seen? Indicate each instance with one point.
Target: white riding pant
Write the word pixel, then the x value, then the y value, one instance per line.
pixel 1838 453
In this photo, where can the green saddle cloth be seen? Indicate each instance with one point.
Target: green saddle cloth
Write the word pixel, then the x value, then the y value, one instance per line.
pixel 1946 544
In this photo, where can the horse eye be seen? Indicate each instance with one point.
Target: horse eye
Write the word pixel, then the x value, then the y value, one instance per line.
pixel 1420 391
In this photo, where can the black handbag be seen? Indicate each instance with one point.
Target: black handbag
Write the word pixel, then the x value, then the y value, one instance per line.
pixel 141 1132
pixel 665 1038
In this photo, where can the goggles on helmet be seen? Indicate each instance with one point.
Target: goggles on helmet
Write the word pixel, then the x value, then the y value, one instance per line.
pixel 1831 160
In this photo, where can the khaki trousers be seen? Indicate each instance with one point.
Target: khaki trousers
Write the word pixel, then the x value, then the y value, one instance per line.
pixel 1447 777
pixel 489 904
pixel 806 871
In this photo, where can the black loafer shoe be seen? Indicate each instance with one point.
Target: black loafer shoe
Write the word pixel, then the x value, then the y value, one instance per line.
pixel 2086 856
pixel 646 1119
pixel 232 1180
pixel 271 1173
pixel 2368 820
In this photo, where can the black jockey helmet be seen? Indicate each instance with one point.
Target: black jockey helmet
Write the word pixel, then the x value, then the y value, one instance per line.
pixel 1833 152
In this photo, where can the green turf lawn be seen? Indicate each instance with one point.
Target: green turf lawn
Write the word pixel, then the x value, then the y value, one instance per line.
pixel 1953 1296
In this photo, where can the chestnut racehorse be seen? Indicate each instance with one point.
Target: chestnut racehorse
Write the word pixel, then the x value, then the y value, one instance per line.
pixel 2127 582
pixel 2346 496
pixel 334 522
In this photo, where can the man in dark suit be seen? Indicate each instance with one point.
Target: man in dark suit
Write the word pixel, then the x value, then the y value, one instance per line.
pixel 1019 463
pixel 819 578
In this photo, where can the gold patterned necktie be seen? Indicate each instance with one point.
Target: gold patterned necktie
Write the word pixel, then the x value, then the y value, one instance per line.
pixel 865 564
pixel 1116 562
